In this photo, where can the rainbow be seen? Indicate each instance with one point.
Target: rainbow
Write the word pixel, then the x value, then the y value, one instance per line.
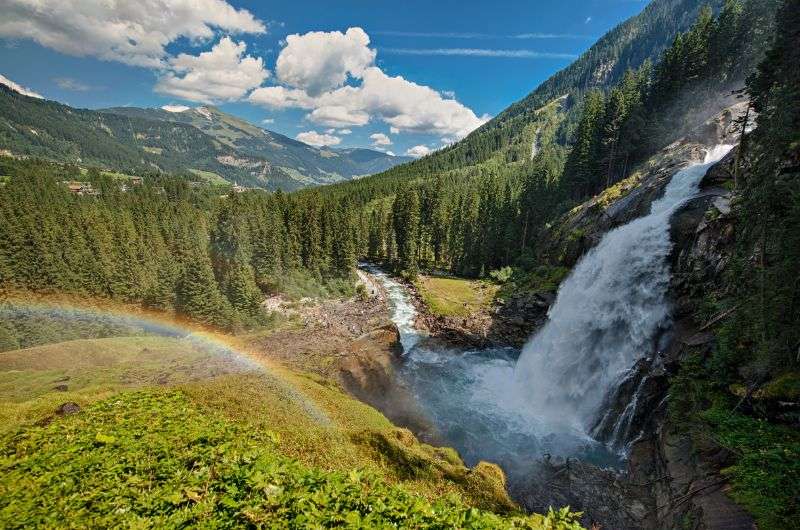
pixel 155 323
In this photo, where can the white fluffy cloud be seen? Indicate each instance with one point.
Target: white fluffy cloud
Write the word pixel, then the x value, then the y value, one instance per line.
pixel 313 71
pixel 134 33
pixel 223 73
pixel 278 97
pixel 418 151
pixel 318 139
pixel 19 88
pixel 175 108
pixel 380 139
pixel 339 116
pixel 319 61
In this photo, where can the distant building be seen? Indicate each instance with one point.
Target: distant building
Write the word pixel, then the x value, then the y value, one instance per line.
pixel 238 189
pixel 80 188
pixel 136 181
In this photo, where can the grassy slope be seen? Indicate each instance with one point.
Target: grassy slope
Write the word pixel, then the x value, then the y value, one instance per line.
pixel 446 296
pixel 171 433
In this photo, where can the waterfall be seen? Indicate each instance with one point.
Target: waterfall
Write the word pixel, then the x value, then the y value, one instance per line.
pixel 607 314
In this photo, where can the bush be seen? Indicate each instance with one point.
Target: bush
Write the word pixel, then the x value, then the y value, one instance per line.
pixel 151 459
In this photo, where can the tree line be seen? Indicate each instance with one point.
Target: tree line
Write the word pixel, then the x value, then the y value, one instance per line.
pixel 172 246
pixel 167 245
pixel 471 219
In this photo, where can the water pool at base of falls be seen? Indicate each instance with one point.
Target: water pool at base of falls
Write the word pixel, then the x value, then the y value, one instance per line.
pixel 514 407
pixel 464 394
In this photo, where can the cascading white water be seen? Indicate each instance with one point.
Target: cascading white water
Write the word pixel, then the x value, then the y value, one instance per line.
pixel 499 405
pixel 606 314
pixel 404 315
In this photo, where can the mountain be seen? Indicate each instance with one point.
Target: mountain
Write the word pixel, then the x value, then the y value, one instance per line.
pixel 509 135
pixel 304 163
pixel 203 141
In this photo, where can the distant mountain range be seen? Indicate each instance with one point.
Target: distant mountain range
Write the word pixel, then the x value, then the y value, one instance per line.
pixel 203 141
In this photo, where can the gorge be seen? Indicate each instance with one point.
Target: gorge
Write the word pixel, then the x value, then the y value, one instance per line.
pixel 551 402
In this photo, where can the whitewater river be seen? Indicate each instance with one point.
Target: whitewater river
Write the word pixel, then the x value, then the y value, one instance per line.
pixel 513 406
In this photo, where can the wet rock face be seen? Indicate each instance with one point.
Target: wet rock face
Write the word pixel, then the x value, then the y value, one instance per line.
pixel 367 371
pixel 629 409
pixel 603 495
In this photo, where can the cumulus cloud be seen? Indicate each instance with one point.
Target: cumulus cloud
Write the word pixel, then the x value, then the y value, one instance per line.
pixel 278 97
pixel 380 139
pixel 223 73
pixel 339 116
pixel 313 72
pixel 390 153
pixel 19 88
pixel 267 121
pixel 175 108
pixel 318 139
pixel 134 33
pixel 418 151
pixel 319 61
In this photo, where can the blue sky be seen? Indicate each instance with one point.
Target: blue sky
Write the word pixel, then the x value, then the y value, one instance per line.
pixel 410 75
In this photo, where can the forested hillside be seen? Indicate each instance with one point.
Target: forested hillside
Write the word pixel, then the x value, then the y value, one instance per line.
pixel 168 246
pixel 203 141
pixel 211 258
pixel 304 163
pixel 473 218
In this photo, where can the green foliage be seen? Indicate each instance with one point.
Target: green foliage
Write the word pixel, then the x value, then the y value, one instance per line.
pixel 766 474
pixel 169 246
pixel 501 275
pixel 153 459
pixel 541 279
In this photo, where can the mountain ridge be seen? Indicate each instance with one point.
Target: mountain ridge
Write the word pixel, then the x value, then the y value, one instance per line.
pixel 200 141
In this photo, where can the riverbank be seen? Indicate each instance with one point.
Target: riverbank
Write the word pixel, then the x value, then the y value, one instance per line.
pixel 467 313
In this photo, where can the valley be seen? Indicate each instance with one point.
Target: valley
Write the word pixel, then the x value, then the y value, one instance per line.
pixel 582 312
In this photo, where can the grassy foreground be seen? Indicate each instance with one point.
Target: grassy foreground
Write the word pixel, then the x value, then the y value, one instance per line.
pixel 220 442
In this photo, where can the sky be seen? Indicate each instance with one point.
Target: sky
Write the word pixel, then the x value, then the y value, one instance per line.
pixel 405 77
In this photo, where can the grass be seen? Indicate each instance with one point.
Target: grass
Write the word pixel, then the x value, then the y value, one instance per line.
pixel 173 434
pixel 210 177
pixel 35 381
pixel 447 296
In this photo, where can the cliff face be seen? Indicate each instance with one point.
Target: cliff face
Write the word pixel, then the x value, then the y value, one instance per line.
pixel 681 474
pixel 672 480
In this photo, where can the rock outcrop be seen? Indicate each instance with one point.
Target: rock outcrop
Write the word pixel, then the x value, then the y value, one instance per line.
pixel 672 481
